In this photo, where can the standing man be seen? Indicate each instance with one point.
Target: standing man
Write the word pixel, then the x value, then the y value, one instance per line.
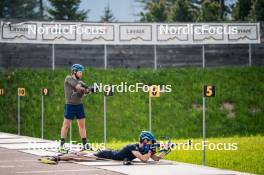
pixel 74 90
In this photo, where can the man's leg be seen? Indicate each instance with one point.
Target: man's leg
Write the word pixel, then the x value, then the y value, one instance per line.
pixel 64 130
pixel 56 159
pixel 82 131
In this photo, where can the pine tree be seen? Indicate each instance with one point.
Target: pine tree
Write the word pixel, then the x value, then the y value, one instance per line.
pixel 41 9
pixel 108 15
pixel 241 10
pixel 19 9
pixel 181 11
pixel 156 11
pixel 67 10
pixel 210 11
pixel 257 11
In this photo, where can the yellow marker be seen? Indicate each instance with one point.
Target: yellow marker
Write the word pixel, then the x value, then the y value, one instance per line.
pixel 209 91
pixel 154 91
pixel 21 92
pixel 45 91
pixel 1 92
pixel 108 91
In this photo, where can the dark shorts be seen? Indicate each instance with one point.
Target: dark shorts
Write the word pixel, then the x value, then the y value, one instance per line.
pixel 72 111
pixel 105 154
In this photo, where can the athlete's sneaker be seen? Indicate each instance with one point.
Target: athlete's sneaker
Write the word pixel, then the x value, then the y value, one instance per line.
pixel 49 160
pixel 63 150
pixel 87 147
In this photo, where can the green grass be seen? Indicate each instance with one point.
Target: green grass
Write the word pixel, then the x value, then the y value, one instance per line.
pixel 237 110
pixel 247 158
pixel 127 113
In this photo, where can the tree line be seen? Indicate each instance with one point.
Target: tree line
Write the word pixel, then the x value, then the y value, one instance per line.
pixel 57 9
pixel 153 10
pixel 201 10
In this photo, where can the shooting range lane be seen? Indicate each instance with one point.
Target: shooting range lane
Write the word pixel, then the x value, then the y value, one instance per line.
pixel 8 136
pixel 176 169
pixel 20 140
pixel 138 168
pixel 40 152
pixel 15 162
pixel 30 145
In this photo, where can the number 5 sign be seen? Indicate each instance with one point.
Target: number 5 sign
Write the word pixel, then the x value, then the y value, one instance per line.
pixel 209 91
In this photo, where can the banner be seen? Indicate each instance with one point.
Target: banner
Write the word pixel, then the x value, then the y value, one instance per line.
pixel 45 32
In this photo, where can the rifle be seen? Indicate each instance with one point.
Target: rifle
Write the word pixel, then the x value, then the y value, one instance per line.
pixel 166 148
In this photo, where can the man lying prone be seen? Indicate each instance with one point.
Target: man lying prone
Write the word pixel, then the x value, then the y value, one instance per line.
pixel 143 150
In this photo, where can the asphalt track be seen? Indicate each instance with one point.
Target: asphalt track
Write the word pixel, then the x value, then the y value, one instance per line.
pixel 17 158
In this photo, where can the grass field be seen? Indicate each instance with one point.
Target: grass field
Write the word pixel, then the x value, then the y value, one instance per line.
pixel 237 109
pixel 247 158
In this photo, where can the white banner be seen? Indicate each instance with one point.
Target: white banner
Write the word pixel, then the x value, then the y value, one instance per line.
pixel 45 32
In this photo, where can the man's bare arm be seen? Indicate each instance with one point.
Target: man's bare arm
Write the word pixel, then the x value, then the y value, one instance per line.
pixel 143 158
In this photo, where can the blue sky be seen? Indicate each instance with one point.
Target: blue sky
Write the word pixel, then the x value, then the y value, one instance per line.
pixel 123 10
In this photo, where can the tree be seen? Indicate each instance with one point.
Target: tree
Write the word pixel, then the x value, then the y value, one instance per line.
pixel 18 9
pixel 210 11
pixel 156 11
pixel 257 11
pixel 4 8
pixel 67 10
pixel 108 15
pixel 241 10
pixel 181 11
pixel 224 8
pixel 41 9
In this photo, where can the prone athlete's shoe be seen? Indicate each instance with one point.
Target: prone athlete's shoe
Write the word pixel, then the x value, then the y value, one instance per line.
pixel 49 160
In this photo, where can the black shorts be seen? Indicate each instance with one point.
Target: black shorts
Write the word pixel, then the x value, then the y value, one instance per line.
pixel 72 111
pixel 105 154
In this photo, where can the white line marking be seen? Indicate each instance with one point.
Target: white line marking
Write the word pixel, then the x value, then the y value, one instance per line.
pixel 2 161
pixel 8 152
pixel 55 171
pixel 11 166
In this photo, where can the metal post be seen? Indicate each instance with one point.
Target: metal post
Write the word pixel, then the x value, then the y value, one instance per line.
pixel 70 132
pixel 204 131
pixel 42 116
pixel 53 57
pixel 155 57
pixel 104 119
pixel 18 115
pixel 249 55
pixel 150 114
pixel 105 56
pixel 203 52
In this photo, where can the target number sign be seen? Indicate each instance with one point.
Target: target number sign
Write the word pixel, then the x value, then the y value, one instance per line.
pixel 154 91
pixel 209 91
pixel 1 92
pixel 21 92
pixel 108 91
pixel 45 91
